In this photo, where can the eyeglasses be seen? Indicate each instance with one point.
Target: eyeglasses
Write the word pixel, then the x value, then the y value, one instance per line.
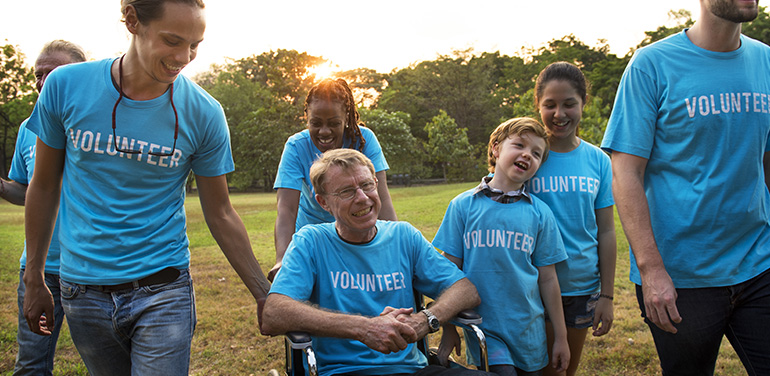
pixel 114 109
pixel 349 193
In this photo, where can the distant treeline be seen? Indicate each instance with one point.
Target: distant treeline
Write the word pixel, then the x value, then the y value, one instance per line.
pixel 433 118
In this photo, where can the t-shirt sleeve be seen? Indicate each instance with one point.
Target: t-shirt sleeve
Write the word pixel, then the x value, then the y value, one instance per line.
pixel 449 235
pixel 297 275
pixel 214 156
pixel 604 197
pixel 45 121
pixel 433 273
pixel 290 170
pixel 19 172
pixel 631 128
pixel 373 151
pixel 549 248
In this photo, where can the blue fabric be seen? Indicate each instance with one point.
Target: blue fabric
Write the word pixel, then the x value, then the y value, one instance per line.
pixel 501 246
pixel 299 153
pixel 22 167
pixel 143 331
pixel 321 268
pixel 122 215
pixel 702 119
pixel 36 352
pixel 574 185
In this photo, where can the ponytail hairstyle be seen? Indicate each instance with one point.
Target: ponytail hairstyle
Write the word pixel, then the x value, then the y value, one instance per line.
pixel 338 91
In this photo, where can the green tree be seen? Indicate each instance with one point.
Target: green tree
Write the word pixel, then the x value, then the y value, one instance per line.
pixel 759 29
pixel 402 150
pixel 460 84
pixel 448 147
pixel 366 84
pixel 17 98
pixel 263 98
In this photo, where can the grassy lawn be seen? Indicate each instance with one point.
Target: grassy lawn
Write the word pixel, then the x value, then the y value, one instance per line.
pixel 227 341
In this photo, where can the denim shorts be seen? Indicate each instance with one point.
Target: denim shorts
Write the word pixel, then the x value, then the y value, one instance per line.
pixel 578 310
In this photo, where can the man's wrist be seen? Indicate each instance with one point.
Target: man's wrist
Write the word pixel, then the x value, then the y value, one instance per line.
pixel 433 324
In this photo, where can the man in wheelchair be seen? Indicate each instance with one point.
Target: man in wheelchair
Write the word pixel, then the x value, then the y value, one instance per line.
pixel 350 283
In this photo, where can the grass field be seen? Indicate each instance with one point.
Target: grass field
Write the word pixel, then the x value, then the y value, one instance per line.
pixel 227 341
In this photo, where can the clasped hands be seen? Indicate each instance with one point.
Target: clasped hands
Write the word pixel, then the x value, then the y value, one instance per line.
pixel 394 329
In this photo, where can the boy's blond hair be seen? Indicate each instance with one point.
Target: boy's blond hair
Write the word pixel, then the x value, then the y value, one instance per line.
pixel 344 158
pixel 515 127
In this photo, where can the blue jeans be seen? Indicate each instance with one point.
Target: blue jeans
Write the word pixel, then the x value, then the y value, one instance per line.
pixel 741 312
pixel 36 352
pixel 141 331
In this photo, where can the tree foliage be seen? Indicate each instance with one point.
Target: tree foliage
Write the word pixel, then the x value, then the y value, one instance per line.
pixel 402 150
pixel 263 98
pixel 460 84
pixel 448 147
pixel 432 118
pixel 17 99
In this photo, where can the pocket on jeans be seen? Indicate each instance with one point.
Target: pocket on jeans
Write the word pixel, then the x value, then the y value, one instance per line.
pixel 68 290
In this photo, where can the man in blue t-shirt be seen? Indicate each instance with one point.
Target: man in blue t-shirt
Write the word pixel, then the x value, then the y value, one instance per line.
pixel 689 140
pixel 36 353
pixel 350 283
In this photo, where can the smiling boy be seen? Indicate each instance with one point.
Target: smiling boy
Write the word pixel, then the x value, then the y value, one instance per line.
pixel 506 241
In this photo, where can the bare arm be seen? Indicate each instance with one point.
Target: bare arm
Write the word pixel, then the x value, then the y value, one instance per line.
pixel 382 333
pixel 387 212
pixel 13 191
pixel 40 215
pixel 231 236
pixel 605 221
pixel 657 287
pixel 287 207
pixel 550 292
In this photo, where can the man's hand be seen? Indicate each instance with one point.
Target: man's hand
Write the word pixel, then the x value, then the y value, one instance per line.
pixel 260 307
pixel 660 299
pixel 38 307
pixel 416 320
pixel 386 334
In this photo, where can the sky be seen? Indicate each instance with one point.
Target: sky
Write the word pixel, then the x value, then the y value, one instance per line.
pixel 376 34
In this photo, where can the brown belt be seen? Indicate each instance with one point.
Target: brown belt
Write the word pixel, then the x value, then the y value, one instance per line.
pixel 166 275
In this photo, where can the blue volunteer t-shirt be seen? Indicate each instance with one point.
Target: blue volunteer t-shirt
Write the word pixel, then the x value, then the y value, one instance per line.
pixel 574 185
pixel 22 167
pixel 702 120
pixel 324 270
pixel 122 215
pixel 501 246
pixel 299 153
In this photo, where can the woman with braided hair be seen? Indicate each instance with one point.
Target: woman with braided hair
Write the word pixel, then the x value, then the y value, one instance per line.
pixel 332 123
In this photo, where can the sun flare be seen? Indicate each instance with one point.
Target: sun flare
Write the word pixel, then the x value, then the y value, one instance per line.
pixel 323 70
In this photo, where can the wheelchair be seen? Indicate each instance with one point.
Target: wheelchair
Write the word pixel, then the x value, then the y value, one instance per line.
pixel 301 359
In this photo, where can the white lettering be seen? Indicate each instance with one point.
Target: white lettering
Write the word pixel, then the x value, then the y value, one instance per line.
pixel 87 142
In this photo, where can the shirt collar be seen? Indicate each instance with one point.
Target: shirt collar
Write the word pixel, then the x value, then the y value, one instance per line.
pixel 500 196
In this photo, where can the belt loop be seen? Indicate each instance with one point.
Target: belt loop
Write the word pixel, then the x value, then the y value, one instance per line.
pixel 135 284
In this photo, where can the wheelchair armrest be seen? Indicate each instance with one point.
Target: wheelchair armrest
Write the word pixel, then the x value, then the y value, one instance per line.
pixel 467 317
pixel 298 343
pixel 299 340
